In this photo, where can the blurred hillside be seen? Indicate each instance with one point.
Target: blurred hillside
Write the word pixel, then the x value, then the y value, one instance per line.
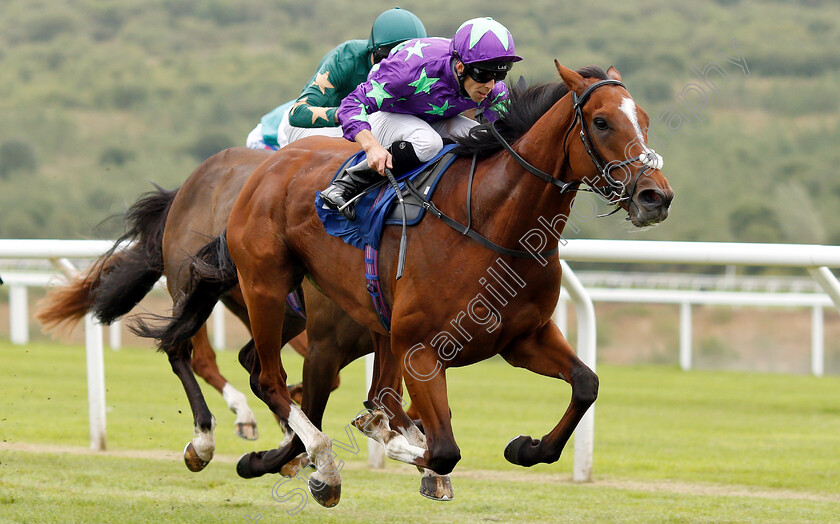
pixel 98 98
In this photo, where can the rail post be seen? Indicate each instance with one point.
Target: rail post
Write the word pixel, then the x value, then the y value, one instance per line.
pixel 219 327
pixel 18 315
pixel 817 342
pixel 685 336
pixel 96 382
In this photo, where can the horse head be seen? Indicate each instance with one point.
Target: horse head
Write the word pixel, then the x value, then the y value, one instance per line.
pixel 612 155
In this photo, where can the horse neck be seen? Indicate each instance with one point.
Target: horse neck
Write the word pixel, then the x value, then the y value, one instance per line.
pixel 521 200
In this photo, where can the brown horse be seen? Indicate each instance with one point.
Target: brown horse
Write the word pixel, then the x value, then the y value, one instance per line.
pixel 446 311
pixel 167 228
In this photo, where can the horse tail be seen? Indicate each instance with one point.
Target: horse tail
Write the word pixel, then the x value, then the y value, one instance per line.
pixel 118 280
pixel 212 274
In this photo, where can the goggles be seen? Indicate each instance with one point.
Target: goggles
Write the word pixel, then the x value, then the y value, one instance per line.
pixel 381 53
pixel 482 76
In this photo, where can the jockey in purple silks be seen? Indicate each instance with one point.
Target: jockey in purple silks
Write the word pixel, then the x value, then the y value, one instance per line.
pixel 415 97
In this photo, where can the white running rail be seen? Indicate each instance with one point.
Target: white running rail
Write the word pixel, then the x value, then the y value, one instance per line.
pixel 815 259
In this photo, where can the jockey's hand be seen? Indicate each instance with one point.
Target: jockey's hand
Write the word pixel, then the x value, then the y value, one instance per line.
pixel 378 157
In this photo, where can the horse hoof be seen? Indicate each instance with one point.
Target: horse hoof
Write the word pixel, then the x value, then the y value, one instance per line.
pixel 248 431
pixel 437 487
pixel 292 467
pixel 326 495
pixel 371 422
pixel 246 469
pixel 193 461
pixel 518 450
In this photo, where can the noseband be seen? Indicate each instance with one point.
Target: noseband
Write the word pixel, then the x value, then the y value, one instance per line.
pixel 604 168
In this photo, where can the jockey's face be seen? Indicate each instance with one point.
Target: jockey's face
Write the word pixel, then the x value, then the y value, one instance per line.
pixel 477 91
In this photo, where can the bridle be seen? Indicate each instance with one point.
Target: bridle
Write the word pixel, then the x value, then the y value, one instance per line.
pixel 604 168
pixel 647 158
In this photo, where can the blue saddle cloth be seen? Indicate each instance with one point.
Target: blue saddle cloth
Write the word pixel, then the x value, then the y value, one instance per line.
pixel 372 210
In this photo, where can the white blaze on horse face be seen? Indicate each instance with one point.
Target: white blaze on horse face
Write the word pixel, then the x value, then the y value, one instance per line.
pixel 648 156
pixel 628 107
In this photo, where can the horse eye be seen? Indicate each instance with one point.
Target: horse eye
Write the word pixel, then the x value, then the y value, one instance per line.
pixel 600 123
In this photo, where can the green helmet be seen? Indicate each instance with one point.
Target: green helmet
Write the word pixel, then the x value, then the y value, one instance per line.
pixel 394 26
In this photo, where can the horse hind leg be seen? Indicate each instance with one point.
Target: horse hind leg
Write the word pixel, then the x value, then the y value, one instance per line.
pixel 204 364
pixel 295 453
pixel 264 282
pixel 323 361
pixel 199 451
pixel 290 456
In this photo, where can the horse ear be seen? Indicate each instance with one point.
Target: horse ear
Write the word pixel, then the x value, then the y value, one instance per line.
pixel 572 80
pixel 613 73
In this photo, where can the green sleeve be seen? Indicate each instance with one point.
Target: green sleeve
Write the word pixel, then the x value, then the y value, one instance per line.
pixel 319 100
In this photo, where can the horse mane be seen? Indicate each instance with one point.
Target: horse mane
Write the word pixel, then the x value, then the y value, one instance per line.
pixel 525 105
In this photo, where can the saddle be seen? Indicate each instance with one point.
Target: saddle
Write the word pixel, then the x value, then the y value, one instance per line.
pixel 425 183
pixel 377 207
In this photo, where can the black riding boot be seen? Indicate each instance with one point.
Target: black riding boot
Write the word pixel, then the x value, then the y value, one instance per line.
pixel 347 185
pixel 356 179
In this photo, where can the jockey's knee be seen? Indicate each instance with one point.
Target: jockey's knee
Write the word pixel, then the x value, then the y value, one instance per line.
pixel 426 144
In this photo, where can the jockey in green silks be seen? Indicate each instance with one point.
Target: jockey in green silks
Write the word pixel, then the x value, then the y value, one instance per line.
pixel 339 73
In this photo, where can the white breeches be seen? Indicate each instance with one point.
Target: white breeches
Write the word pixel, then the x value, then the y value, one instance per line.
pixel 287 133
pixel 426 138
pixel 388 128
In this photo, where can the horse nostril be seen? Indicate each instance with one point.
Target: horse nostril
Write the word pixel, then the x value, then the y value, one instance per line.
pixel 650 198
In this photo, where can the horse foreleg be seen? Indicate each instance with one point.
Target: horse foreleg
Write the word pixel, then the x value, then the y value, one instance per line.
pixel 547 352
pixel 199 452
pixel 428 394
pixel 204 365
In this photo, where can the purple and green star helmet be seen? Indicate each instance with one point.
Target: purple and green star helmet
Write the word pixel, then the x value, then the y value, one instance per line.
pixel 483 40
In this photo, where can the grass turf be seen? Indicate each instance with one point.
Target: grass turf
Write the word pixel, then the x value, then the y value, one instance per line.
pixel 669 446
